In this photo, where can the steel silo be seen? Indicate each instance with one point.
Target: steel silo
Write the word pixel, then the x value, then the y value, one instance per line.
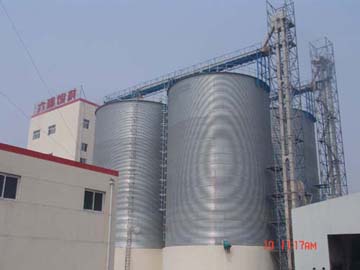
pixel 311 180
pixel 306 157
pixel 219 149
pixel 127 138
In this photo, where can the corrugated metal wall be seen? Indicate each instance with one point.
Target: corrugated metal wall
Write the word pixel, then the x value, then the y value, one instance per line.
pixel 219 148
pixel 310 156
pixel 128 139
pixel 306 160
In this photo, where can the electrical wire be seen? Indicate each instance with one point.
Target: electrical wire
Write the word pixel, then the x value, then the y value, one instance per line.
pixel 32 61
pixel 14 104
pixel 82 90
pixel 28 118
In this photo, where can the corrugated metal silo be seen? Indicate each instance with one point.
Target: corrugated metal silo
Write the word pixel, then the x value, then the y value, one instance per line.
pixel 219 149
pixel 128 139
pixel 310 157
pixel 306 160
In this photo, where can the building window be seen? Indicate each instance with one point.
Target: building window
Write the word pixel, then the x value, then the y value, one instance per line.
pixel 84 147
pixel 8 186
pixel 51 129
pixel 93 200
pixel 82 160
pixel 36 134
pixel 86 123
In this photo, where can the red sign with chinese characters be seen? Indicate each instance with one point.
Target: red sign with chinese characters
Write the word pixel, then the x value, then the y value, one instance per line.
pixel 55 102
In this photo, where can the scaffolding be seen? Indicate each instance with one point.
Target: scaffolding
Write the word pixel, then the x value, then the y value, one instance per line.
pixel 333 182
pixel 288 100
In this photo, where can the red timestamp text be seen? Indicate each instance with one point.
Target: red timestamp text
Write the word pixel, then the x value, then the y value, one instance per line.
pixel 290 245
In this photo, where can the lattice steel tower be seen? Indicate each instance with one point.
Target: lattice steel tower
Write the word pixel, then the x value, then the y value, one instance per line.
pixel 288 102
pixel 333 182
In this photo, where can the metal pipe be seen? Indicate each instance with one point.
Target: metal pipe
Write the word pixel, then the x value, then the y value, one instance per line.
pixel 111 183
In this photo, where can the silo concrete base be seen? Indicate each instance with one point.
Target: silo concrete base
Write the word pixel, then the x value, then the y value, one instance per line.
pixel 141 259
pixel 215 258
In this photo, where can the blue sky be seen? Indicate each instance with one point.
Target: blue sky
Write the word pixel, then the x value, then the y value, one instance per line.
pixel 110 45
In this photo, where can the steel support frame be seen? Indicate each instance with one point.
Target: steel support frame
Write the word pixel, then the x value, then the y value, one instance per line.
pixel 333 180
pixel 287 130
pixel 245 57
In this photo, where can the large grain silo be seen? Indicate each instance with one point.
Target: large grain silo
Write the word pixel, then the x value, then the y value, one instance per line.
pixel 311 175
pixel 128 139
pixel 218 186
pixel 306 158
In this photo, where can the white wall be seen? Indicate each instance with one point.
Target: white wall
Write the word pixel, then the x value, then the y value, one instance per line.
pixel 69 131
pixel 87 111
pixel 215 258
pixel 197 258
pixel 45 227
pixel 316 221
pixel 141 259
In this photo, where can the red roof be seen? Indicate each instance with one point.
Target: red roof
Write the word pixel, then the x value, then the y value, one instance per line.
pixel 34 154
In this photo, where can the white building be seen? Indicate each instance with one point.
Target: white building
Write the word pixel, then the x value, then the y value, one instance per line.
pixel 54 212
pixel 330 232
pixel 64 126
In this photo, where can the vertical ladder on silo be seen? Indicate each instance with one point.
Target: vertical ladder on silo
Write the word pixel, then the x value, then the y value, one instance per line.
pixel 163 166
pixel 132 176
pixel 128 249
